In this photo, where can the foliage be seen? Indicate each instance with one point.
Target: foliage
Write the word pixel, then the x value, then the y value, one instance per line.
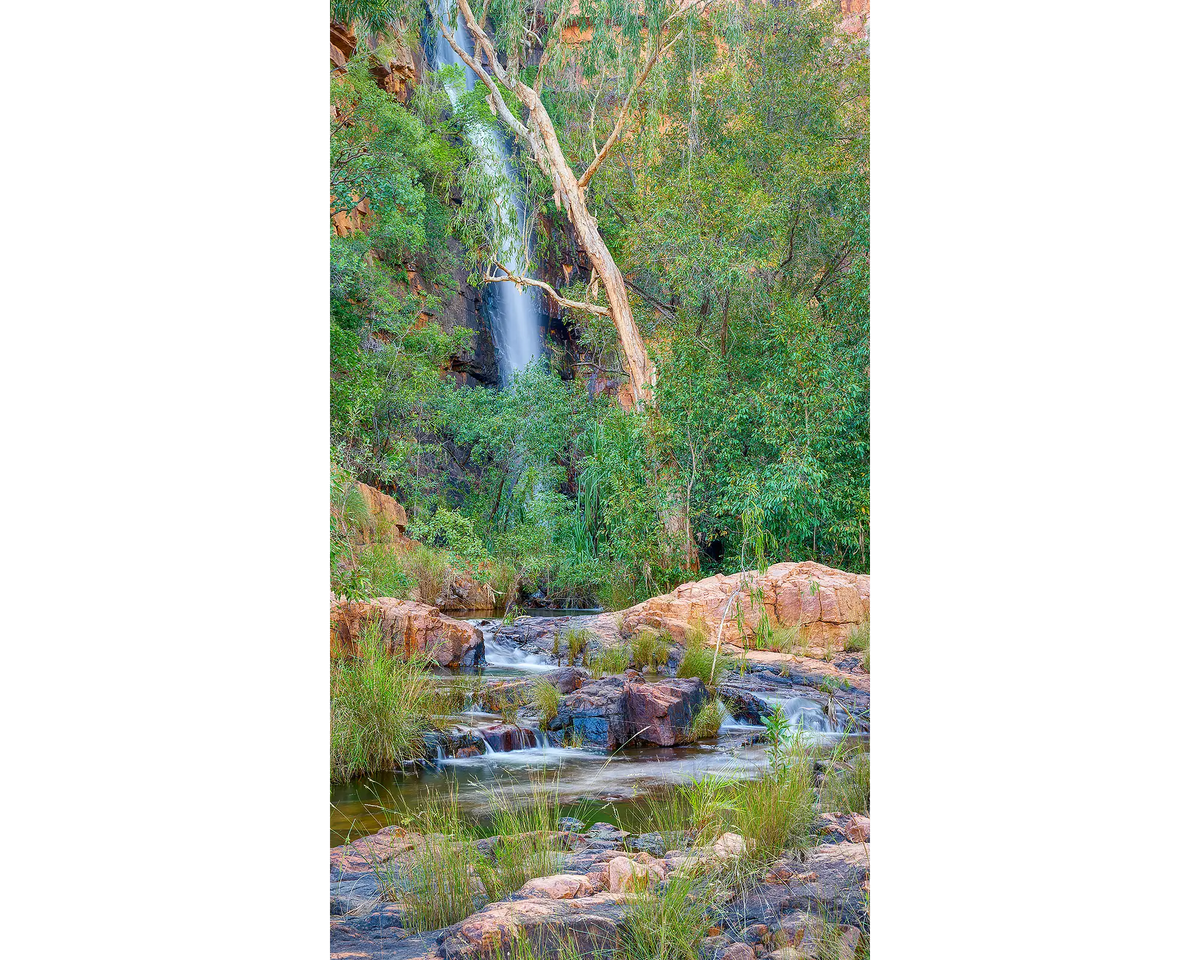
pixel 609 661
pixel 698 659
pixel 530 844
pixel 378 705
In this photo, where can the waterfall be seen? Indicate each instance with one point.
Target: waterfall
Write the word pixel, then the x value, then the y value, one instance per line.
pixel 512 312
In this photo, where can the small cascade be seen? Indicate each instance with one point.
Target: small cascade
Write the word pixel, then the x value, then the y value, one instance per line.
pixel 731 725
pixel 506 657
pixel 809 716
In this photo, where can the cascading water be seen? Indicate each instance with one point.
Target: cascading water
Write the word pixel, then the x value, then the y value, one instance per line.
pixel 512 312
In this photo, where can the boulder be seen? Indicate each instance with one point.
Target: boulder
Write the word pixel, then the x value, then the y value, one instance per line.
pixel 737 951
pixel 592 924
pixel 859 830
pixel 560 886
pixel 409 629
pixel 462 592
pixel 628 876
pixel 729 846
pixel 613 711
pixel 825 603
pixel 662 712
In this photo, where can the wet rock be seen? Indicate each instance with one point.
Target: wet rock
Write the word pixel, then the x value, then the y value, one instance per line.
pixel 471 751
pixel 662 712
pixel 506 737
pixel 613 711
pixel 745 706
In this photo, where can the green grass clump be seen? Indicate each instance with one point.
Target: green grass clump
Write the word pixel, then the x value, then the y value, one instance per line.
pixel 776 813
pixel 697 659
pixel 530 846
pixel 501 576
pixel 577 641
pixel 434 883
pixel 385 571
pixel 708 720
pixel 667 923
pixel 849 790
pixel 859 641
pixel 378 705
pixel 651 649
pixel 609 662
pixel 545 698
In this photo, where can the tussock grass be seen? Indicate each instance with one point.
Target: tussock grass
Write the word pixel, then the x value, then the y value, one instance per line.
pixel 428 569
pixel 502 578
pixel 545 697
pixel 577 641
pixel 650 648
pixel 531 846
pixel 848 790
pixel 859 641
pixel 708 719
pixel 436 884
pixel 609 661
pixel 697 658
pixel 667 923
pixel 378 705
pixel 385 571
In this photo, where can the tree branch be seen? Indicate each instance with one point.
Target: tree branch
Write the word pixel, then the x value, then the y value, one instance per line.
pixel 550 291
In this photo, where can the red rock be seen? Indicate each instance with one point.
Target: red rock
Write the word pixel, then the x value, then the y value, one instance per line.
pixel 728 846
pixel 738 951
pixel 859 830
pixel 409 629
pixel 842 602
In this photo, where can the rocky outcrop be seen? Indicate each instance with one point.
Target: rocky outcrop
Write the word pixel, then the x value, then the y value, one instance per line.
pixel 824 604
pixel 613 711
pixel 408 629
pixel 386 519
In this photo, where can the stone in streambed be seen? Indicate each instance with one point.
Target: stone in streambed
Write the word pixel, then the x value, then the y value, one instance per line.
pixel 613 711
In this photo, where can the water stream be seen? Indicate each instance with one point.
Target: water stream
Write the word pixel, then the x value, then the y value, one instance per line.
pixel 592 785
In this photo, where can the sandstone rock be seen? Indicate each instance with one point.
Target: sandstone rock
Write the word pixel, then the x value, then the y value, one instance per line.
pixel 859 830
pixel 409 629
pixel 737 951
pixel 842 601
pixel 625 875
pixel 590 923
pixel 662 712
pixel 560 886
pixel 728 846
pixel 462 592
